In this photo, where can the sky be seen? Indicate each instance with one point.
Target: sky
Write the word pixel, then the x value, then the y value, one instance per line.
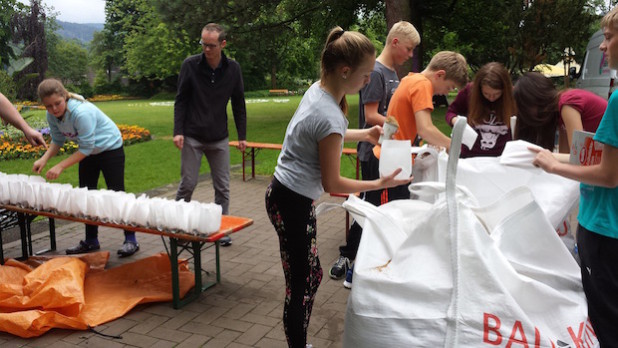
pixel 76 11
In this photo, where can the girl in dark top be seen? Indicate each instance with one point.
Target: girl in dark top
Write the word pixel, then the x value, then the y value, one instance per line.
pixel 543 110
pixel 488 104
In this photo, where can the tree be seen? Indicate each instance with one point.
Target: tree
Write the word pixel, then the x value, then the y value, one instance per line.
pixel 268 38
pixel 153 50
pixel 517 33
pixel 68 62
pixel 29 29
pixel 107 47
pixel 101 54
pixel 547 28
pixel 8 8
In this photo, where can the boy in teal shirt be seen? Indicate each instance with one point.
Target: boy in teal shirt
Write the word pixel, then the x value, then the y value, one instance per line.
pixel 597 233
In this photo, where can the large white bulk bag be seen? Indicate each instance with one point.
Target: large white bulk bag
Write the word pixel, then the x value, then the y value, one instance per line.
pixel 457 273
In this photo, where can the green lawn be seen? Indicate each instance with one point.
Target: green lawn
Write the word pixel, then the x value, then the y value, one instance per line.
pixel 156 163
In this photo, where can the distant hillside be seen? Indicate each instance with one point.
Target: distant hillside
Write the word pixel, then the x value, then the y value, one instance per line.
pixel 79 31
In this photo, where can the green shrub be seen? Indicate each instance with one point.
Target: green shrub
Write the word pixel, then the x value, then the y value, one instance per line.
pixel 7 86
pixel 262 93
pixel 164 96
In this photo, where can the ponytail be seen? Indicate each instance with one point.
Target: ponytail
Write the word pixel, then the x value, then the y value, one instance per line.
pixel 50 87
pixel 344 48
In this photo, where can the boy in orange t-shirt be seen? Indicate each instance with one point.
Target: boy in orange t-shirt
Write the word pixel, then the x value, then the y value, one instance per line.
pixel 412 102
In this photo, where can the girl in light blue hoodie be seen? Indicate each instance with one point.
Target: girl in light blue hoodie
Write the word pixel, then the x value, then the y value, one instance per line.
pixel 100 150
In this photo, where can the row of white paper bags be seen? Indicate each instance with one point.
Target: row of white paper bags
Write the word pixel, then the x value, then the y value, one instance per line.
pixel 109 206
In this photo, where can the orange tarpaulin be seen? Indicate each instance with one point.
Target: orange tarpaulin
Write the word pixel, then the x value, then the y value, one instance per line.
pixel 67 292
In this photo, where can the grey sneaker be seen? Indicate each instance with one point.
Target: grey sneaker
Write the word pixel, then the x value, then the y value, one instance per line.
pixel 340 268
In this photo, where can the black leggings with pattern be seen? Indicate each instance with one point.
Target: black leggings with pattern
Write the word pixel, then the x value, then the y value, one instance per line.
pixel 293 217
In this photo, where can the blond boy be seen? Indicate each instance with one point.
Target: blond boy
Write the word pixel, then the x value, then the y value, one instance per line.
pixel 412 103
pixel 401 41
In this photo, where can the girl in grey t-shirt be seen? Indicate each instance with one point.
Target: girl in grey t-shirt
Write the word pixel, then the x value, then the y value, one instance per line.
pixel 309 165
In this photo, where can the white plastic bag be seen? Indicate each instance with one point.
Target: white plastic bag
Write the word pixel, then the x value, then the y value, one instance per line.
pixel 459 274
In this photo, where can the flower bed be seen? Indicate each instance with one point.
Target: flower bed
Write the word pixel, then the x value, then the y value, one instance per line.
pixel 28 105
pixel 12 147
pixel 108 97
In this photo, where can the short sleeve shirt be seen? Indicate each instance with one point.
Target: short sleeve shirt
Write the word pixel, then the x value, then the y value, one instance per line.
pixel 590 106
pixel 298 166
pixel 380 89
pixel 415 93
pixel 598 206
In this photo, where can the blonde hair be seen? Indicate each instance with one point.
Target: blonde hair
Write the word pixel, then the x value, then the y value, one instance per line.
pixel 404 31
pixel 453 63
pixel 344 48
pixel 49 87
pixel 610 20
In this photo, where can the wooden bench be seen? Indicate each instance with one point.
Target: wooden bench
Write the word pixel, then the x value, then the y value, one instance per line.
pixel 178 243
pixel 254 147
pixel 278 92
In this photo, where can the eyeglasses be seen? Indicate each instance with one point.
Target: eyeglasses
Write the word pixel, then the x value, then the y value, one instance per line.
pixel 210 46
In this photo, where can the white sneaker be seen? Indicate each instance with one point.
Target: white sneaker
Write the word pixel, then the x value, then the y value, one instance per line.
pixel 347 283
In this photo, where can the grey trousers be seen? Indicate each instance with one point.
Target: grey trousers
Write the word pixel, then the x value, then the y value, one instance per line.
pixel 218 156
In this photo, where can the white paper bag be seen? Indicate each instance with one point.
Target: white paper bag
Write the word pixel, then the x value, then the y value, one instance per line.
pixel 141 211
pixel 393 155
pixel 209 218
pixel 78 200
pixel 94 202
pixel 118 201
pixel 18 192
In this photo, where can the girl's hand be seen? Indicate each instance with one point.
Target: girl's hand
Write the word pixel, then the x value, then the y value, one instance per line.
pixel 373 134
pixel 544 159
pixel 38 165
pixel 54 173
pixel 390 181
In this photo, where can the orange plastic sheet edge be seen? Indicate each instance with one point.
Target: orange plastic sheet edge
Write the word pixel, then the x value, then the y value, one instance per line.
pixel 77 292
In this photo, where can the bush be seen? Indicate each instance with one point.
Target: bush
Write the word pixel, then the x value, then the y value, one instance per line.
pixel 143 88
pixel 102 86
pixel 7 86
pixel 164 96
pixel 84 89
pixel 262 93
